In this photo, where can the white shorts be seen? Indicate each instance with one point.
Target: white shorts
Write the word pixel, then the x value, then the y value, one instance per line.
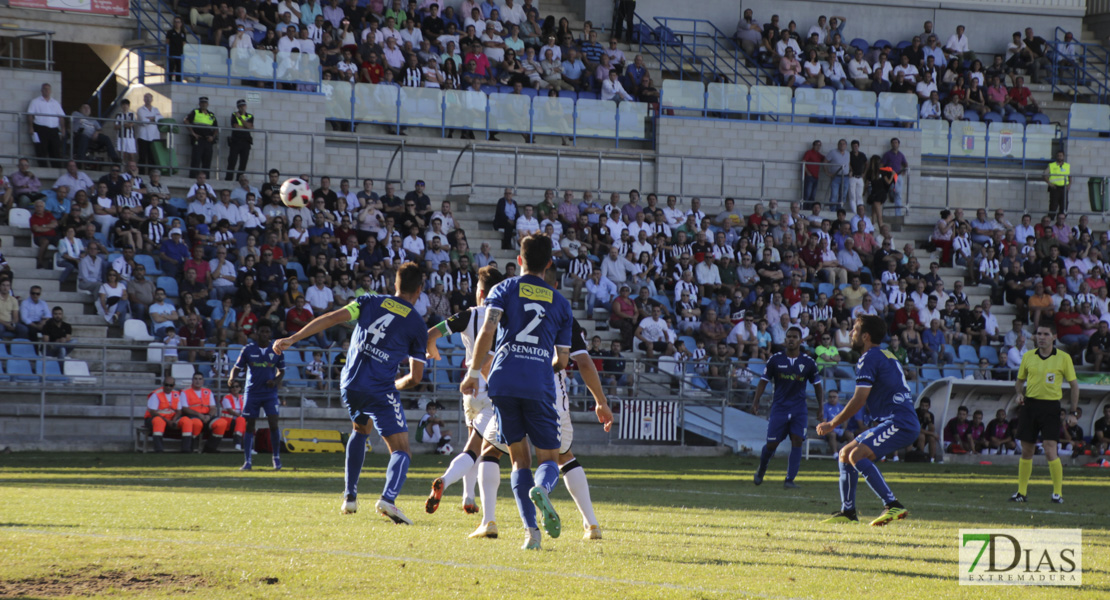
pixel 125 144
pixel 481 417
pixel 566 430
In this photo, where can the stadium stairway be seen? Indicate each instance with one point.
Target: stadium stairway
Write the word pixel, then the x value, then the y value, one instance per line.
pixel 742 430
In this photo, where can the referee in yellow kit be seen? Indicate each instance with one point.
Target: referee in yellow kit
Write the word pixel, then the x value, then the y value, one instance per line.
pixel 1039 387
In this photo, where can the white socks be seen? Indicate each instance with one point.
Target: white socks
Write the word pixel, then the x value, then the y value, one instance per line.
pixel 457 469
pixel 489 478
pixel 575 480
pixel 469 479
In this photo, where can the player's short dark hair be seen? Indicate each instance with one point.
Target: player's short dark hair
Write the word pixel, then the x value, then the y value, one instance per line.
pixel 536 252
pixel 264 325
pixel 797 329
pixel 874 326
pixel 410 278
pixel 489 276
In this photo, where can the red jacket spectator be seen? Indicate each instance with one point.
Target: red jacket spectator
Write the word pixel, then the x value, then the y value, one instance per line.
pixel 1072 328
pixel 813 160
pixel 296 318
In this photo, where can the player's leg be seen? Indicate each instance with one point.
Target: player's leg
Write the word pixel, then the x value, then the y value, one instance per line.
pixel 185 424
pixel 240 429
pixel 395 474
pixel 1050 434
pixel 489 479
pixel 460 466
pixel 275 433
pixel 848 479
pixel 1027 434
pixel 798 426
pixel 575 479
pixel 510 422
pixel 777 430
pixel 248 436
pixel 356 449
pixel 881 440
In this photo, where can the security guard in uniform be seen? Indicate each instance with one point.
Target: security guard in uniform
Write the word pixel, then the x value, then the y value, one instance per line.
pixel 1058 178
pixel 202 135
pixel 242 122
pixel 1039 388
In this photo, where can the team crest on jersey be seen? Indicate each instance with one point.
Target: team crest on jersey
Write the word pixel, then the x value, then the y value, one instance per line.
pixel 535 292
pixel 396 307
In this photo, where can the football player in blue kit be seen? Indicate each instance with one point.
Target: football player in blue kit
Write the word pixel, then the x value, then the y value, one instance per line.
pixel 534 339
pixel 265 370
pixel 881 387
pixel 388 329
pixel 789 371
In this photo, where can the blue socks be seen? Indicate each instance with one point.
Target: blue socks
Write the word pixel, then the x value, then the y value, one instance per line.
pixel 848 478
pixel 794 464
pixel 765 457
pixel 875 479
pixel 395 475
pixel 248 445
pixel 275 442
pixel 547 475
pixel 523 483
pixel 356 454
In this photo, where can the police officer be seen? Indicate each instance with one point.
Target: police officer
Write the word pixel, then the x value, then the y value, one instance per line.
pixel 242 122
pixel 1058 177
pixel 202 135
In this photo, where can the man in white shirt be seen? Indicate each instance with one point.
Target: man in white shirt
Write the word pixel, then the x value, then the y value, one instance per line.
pixel 221 274
pixel 908 71
pixel 146 119
pixel 654 334
pixel 615 267
pixel 675 216
pixel 201 182
pixel 926 87
pixel 320 296
pixel 600 292
pixel 526 224
pixel 930 109
pixel 239 194
pixel 288 41
pixel 616 56
pixel 708 276
pixel 46 120
pixel 834 73
pixel 74 180
pixel 859 71
pixel 513 13
pixel 957 45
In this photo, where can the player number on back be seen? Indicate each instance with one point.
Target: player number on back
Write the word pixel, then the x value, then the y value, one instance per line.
pixel 378 327
pixel 525 336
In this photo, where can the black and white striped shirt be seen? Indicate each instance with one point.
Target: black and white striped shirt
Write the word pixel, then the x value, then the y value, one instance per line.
pixel 820 313
pixel 134 201
pixel 683 286
pixel 155 231
pixel 462 276
pixel 580 268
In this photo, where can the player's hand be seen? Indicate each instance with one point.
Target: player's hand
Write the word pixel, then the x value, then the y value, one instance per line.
pixel 604 416
pixel 755 408
pixel 281 345
pixel 433 351
pixel 1020 399
pixel 469 386
pixel 825 428
pixel 271 383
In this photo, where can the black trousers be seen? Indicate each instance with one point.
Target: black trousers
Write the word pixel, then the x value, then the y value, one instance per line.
pixel 201 160
pixel 146 155
pixel 626 10
pixel 49 146
pixel 1057 200
pixel 238 152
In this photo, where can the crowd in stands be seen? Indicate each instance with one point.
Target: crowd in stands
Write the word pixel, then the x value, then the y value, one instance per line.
pixel 425 44
pixel 949 79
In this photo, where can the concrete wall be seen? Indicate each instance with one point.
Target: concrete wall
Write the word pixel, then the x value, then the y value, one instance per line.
pixel 1087 157
pixel 763 156
pixel 723 13
pixel 20 87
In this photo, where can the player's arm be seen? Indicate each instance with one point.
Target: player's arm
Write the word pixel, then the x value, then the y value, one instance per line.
pixel 1074 394
pixel 593 383
pixel 434 334
pixel 482 346
pixel 414 376
pixel 1019 391
pixel 759 389
pixel 562 358
pixel 321 323
pixel 819 389
pixel 276 381
pixel 859 398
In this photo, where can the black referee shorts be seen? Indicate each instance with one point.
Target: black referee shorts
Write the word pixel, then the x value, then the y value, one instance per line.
pixel 1039 416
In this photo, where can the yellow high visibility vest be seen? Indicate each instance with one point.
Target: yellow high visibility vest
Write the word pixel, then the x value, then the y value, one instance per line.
pixel 1059 174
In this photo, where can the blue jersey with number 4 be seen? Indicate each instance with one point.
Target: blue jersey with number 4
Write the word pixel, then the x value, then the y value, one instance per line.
pixel 261 365
pixel 535 319
pixel 387 330
pixel 890 396
pixel 790 376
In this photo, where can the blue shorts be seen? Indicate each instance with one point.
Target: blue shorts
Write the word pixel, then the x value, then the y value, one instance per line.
pixel 786 422
pixel 518 417
pixel 890 435
pixel 254 402
pixel 384 409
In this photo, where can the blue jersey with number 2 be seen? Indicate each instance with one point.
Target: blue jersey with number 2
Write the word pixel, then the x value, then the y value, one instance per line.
pixel 387 330
pixel 890 396
pixel 535 319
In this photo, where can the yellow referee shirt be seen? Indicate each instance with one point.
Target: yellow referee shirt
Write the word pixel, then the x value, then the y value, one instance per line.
pixel 1044 377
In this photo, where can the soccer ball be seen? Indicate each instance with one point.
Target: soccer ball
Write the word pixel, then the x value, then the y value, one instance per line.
pixel 295 193
pixel 444 449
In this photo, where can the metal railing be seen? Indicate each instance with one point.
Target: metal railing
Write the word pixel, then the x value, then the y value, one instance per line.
pixel 1087 74
pixel 26 48
pixel 154 18
pixel 722 57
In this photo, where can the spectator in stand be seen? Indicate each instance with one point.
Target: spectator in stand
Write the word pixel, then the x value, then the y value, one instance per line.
pixel 58 334
pixel 47 123
pixel 813 160
pixel 43 232
pixel 112 303
pixel 790 69
pixel 1021 99
pixel 748 33
pixel 505 219
pixel 957 47
pixel 34 313
pixel 140 293
pixel 173 253
pixel 655 336
pixel 25 185
pixel 9 310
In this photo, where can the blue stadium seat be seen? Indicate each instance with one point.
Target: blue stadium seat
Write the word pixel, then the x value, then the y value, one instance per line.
pixel 588 95
pixel 4 351
pixel 53 371
pixel 151 265
pixel 490 89
pixel 967 354
pixel 954 372
pixel 880 43
pixel 827 289
pixel 169 284
pixel 23 348
pixel 990 353
pixel 233 351
pixel 971 116
pixel 664 300
pixel 1015 118
pixel 1039 119
pixel 861 44
pixel 298 270
pixel 3 378
pixel 568 94
pixel 20 370
pixel 930 373
pixel 847 387
pixel 992 117
pixel 757 366
pixel 293 377
pixel 179 204
pixel 691 344
pixel 530 92
pixel 293 357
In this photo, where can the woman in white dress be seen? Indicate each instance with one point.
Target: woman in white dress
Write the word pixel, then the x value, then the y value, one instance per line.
pixel 112 302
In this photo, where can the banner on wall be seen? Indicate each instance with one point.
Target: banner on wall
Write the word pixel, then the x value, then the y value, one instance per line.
pixel 101 7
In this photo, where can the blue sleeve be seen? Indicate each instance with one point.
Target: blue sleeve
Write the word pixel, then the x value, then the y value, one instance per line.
pixel 566 324
pixel 279 361
pixel 418 341
pixel 769 371
pixel 865 376
pixel 814 374
pixel 242 358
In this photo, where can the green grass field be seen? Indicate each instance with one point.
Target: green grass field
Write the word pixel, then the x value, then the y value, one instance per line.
pixel 160 526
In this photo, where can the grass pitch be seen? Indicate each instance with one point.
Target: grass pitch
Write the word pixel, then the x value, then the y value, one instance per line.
pixel 171 526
